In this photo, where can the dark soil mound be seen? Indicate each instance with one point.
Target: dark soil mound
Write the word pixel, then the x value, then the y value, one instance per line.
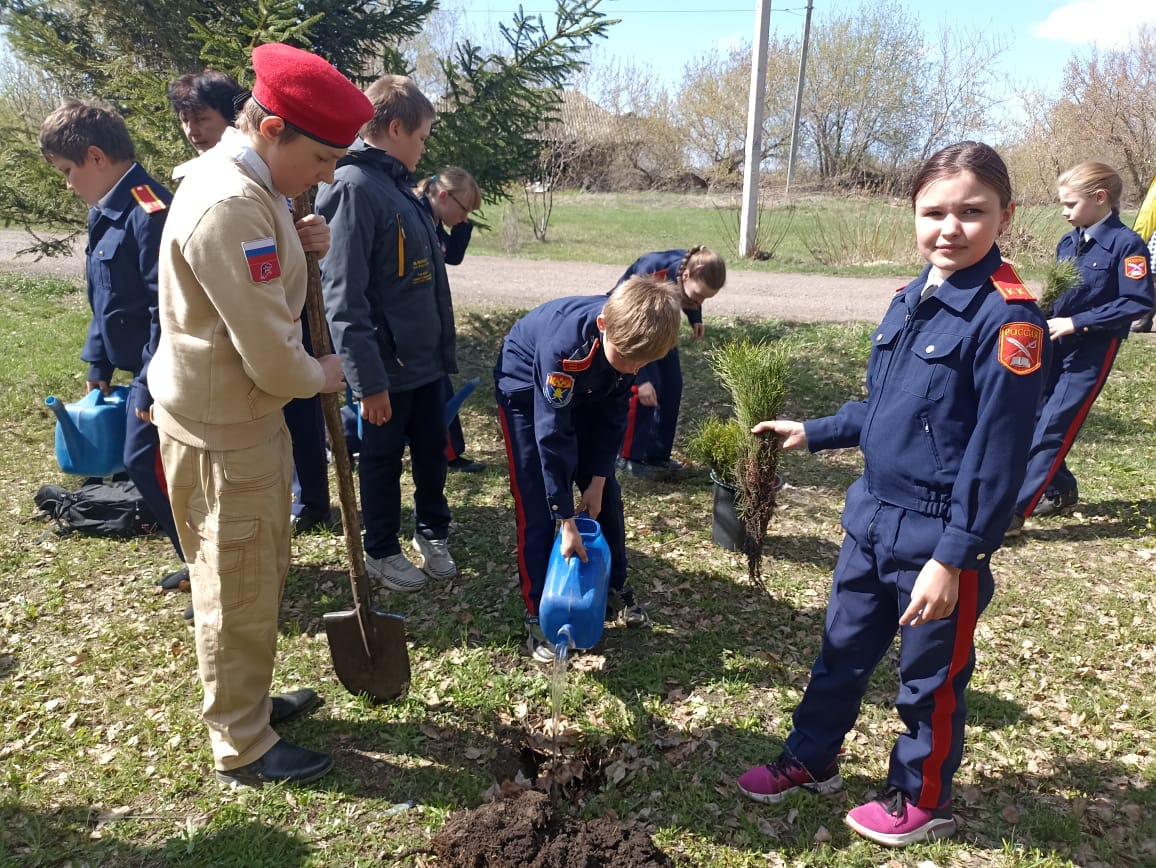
pixel 526 832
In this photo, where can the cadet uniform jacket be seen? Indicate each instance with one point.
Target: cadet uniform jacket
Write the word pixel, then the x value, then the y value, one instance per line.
pixel 953 384
pixel 553 357
pixel 124 235
pixel 232 285
pixel 386 292
pixel 1115 284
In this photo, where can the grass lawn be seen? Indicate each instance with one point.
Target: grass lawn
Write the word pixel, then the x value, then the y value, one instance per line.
pixel 103 760
pixel 836 235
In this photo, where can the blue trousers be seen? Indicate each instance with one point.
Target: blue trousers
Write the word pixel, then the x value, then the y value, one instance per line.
pixel 1079 369
pixel 650 430
pixel 142 462
pixel 883 551
pixel 306 424
pixel 419 419
pixel 535 523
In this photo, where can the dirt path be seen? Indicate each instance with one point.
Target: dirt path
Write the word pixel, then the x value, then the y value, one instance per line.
pixel 491 281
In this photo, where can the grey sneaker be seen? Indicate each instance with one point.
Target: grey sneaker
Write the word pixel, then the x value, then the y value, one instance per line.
pixel 536 643
pixel 437 562
pixel 395 572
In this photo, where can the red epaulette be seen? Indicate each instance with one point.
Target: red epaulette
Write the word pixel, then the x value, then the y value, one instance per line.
pixel 147 199
pixel 660 275
pixel 901 289
pixel 581 364
pixel 1009 284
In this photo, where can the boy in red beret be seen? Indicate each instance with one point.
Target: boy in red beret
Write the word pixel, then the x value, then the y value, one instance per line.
pixel 232 282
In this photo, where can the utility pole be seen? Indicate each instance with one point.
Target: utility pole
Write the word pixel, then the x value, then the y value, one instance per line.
pixel 749 219
pixel 799 101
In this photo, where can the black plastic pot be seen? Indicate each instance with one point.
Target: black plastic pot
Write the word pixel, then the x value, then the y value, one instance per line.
pixel 726 528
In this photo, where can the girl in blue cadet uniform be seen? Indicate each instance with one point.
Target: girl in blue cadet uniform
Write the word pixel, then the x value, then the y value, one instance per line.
pixel 563 382
pixel 1086 326
pixel 698 274
pixel 449 197
pixel 959 355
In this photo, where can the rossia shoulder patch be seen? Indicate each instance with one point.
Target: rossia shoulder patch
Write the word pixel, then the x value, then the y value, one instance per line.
pixel 1136 267
pixel 147 199
pixel 1021 347
pixel 1009 284
pixel 581 364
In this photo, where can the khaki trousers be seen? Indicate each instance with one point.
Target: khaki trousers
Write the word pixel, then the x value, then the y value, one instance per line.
pixel 232 515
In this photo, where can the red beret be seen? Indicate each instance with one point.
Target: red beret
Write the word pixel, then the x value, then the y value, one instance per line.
pixel 307 92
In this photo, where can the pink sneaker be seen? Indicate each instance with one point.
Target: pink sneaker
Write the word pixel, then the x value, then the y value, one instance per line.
pixel 892 822
pixel 772 782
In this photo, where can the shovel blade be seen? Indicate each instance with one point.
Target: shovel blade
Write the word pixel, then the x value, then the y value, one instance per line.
pixel 380 672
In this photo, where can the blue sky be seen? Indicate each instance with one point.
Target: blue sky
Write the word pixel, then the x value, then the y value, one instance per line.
pixel 665 34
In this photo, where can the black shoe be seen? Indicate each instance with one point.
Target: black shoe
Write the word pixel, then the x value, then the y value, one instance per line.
pixel 640 469
pixel 620 602
pixel 464 465
pixel 282 762
pixel 291 705
pixel 1015 527
pixel 176 581
pixel 189 614
pixel 310 519
pixel 1055 503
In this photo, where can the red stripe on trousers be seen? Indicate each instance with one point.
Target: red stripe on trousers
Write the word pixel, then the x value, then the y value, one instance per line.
pixel 450 454
pixel 943 699
pixel 160 471
pixel 1077 424
pixel 519 511
pixel 631 418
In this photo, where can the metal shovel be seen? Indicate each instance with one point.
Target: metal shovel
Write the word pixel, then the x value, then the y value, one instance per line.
pixel 368 646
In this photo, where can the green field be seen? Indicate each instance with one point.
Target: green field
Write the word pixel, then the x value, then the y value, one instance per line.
pixel 103 760
pixel 837 235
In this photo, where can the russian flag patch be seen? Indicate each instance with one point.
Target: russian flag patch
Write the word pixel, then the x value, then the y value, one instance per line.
pixel 261 255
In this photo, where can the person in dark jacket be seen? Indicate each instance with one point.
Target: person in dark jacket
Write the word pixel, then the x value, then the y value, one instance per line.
pixel 388 303
pixel 449 197
pixel 90 144
pixel 698 274
pixel 959 356
pixel 1086 325
pixel 563 381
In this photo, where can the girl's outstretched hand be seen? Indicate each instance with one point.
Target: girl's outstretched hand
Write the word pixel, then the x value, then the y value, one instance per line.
pixel 793 434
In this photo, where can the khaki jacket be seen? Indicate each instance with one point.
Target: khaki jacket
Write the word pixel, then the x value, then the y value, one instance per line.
pixel 232 288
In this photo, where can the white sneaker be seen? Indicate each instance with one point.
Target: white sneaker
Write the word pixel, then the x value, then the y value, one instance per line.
pixel 395 572
pixel 437 562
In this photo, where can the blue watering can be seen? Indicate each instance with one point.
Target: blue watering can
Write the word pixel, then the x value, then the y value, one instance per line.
pixel 573 607
pixel 90 432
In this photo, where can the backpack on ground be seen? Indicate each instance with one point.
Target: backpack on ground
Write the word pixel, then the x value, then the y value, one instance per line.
pixel 100 507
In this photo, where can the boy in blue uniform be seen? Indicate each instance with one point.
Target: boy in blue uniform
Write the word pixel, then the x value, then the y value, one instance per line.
pixel 388 303
pixel 696 274
pixel 563 382
pixel 91 146
pixel 957 363
pixel 1086 325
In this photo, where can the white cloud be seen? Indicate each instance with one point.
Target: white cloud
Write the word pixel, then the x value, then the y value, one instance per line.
pixel 1105 23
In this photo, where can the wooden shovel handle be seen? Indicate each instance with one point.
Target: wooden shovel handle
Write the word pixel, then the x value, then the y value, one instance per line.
pixel 331 408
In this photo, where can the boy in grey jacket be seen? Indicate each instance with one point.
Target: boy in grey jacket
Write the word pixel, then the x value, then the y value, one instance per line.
pixel 388 303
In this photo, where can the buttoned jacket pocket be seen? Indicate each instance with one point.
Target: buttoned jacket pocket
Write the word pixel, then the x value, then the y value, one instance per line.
pixel 930 364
